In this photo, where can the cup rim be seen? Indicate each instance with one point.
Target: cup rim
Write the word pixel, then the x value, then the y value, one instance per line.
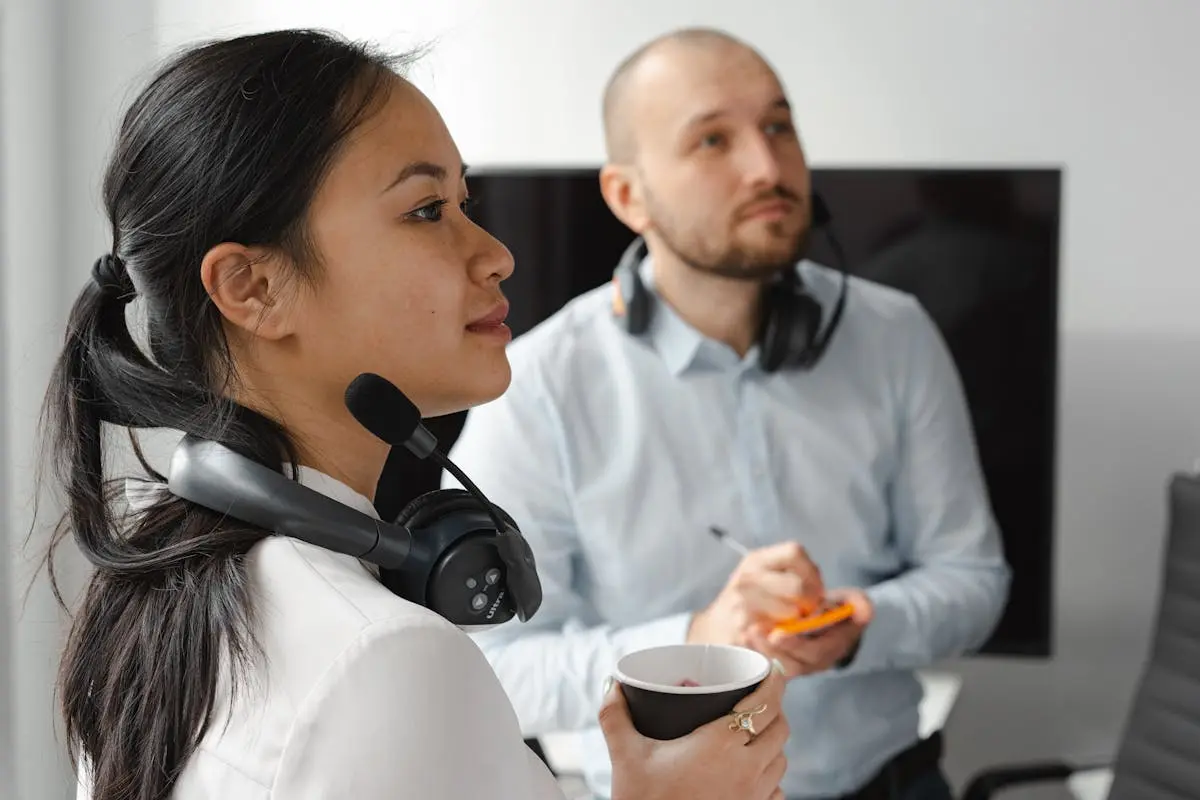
pixel 717 688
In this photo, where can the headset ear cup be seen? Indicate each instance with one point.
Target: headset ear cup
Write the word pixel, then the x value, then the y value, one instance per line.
pixel 428 508
pixel 772 336
pixel 632 303
pixel 791 322
pixel 637 306
pixel 418 507
pixel 803 327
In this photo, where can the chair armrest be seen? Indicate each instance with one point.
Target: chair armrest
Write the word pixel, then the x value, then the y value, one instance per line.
pixel 993 781
pixel 1091 784
pixel 939 690
pixel 563 752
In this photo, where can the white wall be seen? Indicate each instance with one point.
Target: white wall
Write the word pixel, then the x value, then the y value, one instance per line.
pixel 65 66
pixel 1104 88
pixel 32 122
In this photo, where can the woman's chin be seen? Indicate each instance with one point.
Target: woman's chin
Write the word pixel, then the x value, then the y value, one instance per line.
pixel 485 386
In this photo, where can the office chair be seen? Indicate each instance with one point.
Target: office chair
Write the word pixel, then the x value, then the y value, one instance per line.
pixel 1158 757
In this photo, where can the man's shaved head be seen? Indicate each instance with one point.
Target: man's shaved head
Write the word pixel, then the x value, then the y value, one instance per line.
pixel 620 138
pixel 704 160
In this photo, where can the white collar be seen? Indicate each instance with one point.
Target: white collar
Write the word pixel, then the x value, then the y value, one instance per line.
pixel 333 488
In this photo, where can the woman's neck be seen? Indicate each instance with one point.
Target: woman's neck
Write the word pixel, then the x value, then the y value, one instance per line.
pixel 327 437
pixel 344 452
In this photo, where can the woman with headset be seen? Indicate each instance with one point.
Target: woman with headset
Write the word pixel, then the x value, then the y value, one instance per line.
pixel 288 212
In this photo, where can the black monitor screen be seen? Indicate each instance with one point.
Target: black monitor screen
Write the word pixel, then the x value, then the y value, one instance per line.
pixel 978 248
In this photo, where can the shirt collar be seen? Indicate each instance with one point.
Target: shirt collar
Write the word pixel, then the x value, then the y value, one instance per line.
pixel 333 488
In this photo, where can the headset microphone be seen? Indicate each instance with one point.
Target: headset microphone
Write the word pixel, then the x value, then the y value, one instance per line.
pixel 389 415
pixel 385 411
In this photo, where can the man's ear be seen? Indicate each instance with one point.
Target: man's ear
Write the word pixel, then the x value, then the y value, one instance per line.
pixel 621 187
pixel 247 284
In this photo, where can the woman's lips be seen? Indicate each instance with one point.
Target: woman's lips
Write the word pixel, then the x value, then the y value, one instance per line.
pixel 492 324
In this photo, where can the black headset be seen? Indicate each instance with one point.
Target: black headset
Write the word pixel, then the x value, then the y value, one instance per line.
pixel 449 550
pixel 790 335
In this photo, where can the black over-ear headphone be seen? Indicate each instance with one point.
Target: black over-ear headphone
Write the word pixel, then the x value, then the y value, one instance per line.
pixel 790 334
pixel 449 550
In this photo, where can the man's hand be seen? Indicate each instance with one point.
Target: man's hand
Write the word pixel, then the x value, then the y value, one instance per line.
pixel 770 584
pixel 805 654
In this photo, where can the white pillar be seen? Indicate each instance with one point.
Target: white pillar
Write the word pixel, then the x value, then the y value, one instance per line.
pixel 66 69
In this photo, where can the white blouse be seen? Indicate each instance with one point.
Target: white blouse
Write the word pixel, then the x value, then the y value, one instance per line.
pixel 361 695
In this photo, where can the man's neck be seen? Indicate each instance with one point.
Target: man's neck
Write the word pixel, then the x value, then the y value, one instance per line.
pixel 723 309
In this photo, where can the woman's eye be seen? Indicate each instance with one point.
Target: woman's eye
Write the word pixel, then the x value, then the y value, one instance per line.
pixel 467 205
pixel 431 212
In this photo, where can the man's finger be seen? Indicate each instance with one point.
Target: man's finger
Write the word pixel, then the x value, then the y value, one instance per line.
pixel 791 666
pixel 763 600
pixel 785 555
pixel 815 653
pixel 863 612
pixel 785 585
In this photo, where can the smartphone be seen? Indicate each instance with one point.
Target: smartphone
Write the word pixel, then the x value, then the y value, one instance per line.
pixel 826 616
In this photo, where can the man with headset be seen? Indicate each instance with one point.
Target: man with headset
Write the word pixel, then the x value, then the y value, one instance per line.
pixel 723 384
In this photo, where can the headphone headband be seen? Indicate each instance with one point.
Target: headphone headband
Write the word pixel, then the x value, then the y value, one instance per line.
pixel 210 474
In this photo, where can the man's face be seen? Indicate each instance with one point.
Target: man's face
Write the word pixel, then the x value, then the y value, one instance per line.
pixel 724 179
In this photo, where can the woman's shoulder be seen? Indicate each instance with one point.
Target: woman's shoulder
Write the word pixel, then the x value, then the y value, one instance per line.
pixel 411 709
pixel 359 687
pixel 404 701
pixel 311 600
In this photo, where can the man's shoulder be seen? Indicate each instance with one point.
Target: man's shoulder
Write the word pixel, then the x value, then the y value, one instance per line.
pixel 868 302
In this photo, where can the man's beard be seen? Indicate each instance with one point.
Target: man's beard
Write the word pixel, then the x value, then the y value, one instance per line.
pixel 732 261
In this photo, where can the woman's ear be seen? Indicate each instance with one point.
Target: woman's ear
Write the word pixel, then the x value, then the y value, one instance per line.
pixel 247 284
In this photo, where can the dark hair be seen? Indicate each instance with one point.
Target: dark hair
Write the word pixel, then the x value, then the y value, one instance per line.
pixel 228 142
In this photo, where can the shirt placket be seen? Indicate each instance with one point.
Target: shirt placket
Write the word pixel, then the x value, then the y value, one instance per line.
pixel 753 468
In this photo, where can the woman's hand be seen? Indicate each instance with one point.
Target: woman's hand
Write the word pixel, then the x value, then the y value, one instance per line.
pixel 711 763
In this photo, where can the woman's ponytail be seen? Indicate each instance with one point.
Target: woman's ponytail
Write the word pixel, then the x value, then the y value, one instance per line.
pixel 143 598
pixel 96 323
pixel 199 160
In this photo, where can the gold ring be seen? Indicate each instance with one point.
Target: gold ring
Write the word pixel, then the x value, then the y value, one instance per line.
pixel 744 721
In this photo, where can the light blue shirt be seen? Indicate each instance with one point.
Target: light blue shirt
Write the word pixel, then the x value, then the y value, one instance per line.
pixel 616 453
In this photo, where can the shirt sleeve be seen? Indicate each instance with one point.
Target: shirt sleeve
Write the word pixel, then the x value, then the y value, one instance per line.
pixel 552 667
pixel 409 712
pixel 952 596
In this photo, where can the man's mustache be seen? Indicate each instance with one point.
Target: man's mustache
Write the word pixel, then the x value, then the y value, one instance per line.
pixel 775 193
